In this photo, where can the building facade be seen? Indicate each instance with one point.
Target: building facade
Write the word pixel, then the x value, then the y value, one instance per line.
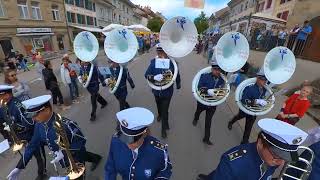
pixel 32 25
pixel 104 12
pixel 123 13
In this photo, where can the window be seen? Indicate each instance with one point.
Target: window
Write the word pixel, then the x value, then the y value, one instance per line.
pixel 261 6
pixel 284 1
pixel 81 19
pixel 71 17
pixel 127 10
pixel 284 15
pixel 23 9
pixel 95 21
pixel 88 4
pixel 90 20
pixel 2 14
pixel 79 3
pixel 94 7
pixel 35 10
pixel 269 4
pixel 119 18
pixel 279 15
pixel 69 2
pixel 55 13
pixel 123 7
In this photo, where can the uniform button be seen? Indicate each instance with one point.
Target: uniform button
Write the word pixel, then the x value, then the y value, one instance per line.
pixel 151 142
pixel 133 167
pixel 132 175
pixel 244 151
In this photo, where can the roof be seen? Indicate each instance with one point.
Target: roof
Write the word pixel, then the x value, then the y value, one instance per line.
pixel 269 17
pixel 129 3
pixel 232 3
pixel 221 12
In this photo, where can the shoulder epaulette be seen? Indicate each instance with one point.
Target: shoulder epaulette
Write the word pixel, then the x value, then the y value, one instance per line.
pixel 158 145
pixel 237 154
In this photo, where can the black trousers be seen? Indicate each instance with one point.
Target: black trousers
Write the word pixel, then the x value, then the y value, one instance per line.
pixel 123 103
pixel 210 110
pixel 94 98
pixel 56 94
pixel 163 110
pixel 249 123
pixel 299 47
pixel 291 41
pixel 40 161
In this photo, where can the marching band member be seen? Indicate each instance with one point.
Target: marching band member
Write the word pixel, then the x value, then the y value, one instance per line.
pixel 208 82
pixel 93 87
pixel 277 143
pixel 162 97
pixel 121 92
pixel 253 95
pixel 134 154
pixel 45 133
pixel 22 125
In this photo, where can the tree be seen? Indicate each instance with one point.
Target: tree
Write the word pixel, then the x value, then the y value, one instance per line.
pixel 201 22
pixel 155 24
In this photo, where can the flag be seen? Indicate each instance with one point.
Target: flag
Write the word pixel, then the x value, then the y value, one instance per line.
pixel 199 4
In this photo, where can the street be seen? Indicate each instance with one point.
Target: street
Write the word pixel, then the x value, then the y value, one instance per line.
pixel 189 156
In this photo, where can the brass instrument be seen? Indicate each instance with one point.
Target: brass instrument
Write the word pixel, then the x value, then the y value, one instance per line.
pixel 75 170
pixel 306 170
pixel 167 78
pixel 18 143
pixel 112 82
pixel 219 93
pixel 257 107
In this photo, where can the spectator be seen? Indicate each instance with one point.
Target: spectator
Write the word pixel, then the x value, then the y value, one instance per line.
pixel 282 36
pixel 147 43
pixel 11 63
pixel 23 62
pixel 259 41
pixel 21 89
pixel 292 36
pixel 302 38
pixel 274 37
pixel 69 77
pixel 267 38
pixel 39 65
pixel 210 46
pixel 141 44
pixel 295 106
pixel 51 83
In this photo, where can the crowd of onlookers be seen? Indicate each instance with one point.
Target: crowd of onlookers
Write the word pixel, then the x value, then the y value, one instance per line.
pixel 16 60
pixel 146 42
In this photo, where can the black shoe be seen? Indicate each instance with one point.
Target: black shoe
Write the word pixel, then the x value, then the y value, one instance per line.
pixel 158 118
pixel 202 177
pixel 93 117
pixel 230 125
pixel 164 134
pixel 194 122
pixel 103 106
pixel 94 165
pixel 41 177
pixel 208 142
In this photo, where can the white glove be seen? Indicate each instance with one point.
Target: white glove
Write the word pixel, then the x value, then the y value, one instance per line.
pixel 107 80
pixel 211 92
pixel 80 79
pixel 14 174
pixel 59 156
pixel 158 77
pixel 261 102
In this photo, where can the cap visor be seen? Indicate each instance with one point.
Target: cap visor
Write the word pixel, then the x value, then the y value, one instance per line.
pixel 126 139
pixel 285 155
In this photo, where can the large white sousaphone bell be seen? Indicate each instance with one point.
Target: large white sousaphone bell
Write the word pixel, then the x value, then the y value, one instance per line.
pixel 279 66
pixel 232 52
pixel 120 46
pixel 86 48
pixel 178 37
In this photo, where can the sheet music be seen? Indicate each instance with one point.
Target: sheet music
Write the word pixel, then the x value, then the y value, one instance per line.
pixel 162 63
pixel 104 70
pixel 4 145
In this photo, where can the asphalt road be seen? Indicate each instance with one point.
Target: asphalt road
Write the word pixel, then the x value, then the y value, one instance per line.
pixel 188 154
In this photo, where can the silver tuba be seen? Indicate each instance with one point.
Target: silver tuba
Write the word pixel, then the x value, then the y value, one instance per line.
pixel 86 48
pixel 120 46
pixel 279 66
pixel 304 168
pixel 231 52
pixel 178 37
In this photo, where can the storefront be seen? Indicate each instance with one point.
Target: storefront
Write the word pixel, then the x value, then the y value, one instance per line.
pixel 35 39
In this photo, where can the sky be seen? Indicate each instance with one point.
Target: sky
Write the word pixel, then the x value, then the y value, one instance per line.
pixel 172 8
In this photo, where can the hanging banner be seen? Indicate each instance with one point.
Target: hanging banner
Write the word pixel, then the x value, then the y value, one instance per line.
pixel 199 4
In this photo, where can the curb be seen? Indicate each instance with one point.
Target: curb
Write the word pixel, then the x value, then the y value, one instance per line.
pixel 316 119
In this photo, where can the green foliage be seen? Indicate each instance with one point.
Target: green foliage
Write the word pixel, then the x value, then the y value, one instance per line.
pixel 201 22
pixel 155 24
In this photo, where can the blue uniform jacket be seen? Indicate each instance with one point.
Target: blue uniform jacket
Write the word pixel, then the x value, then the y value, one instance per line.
pixel 45 133
pixel 152 71
pixel 250 93
pixel 93 86
pixel 242 163
pixel 152 161
pixel 23 126
pixel 121 92
pixel 208 81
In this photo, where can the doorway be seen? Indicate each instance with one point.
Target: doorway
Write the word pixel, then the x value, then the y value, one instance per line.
pixel 6 46
pixel 312 48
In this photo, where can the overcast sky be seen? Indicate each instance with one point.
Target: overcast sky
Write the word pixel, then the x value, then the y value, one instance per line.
pixel 171 8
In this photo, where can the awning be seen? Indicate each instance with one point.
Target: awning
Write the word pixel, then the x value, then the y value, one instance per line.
pixel 34 34
pixel 91 29
pixel 268 17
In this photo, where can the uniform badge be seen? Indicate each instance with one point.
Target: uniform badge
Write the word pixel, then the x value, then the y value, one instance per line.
pixel 297 140
pixel 124 123
pixel 147 173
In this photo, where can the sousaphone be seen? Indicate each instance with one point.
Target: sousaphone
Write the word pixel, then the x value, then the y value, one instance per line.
pixel 120 46
pixel 279 66
pixel 86 48
pixel 178 37
pixel 232 52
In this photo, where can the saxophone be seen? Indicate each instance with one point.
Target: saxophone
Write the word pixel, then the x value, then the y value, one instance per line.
pixel 75 170
pixel 9 126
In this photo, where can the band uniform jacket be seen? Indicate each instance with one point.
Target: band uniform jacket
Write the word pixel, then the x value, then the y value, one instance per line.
pixel 22 126
pixel 151 161
pixel 208 81
pixel 242 163
pixel 93 86
pixel 121 91
pixel 251 93
pixel 152 71
pixel 45 133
